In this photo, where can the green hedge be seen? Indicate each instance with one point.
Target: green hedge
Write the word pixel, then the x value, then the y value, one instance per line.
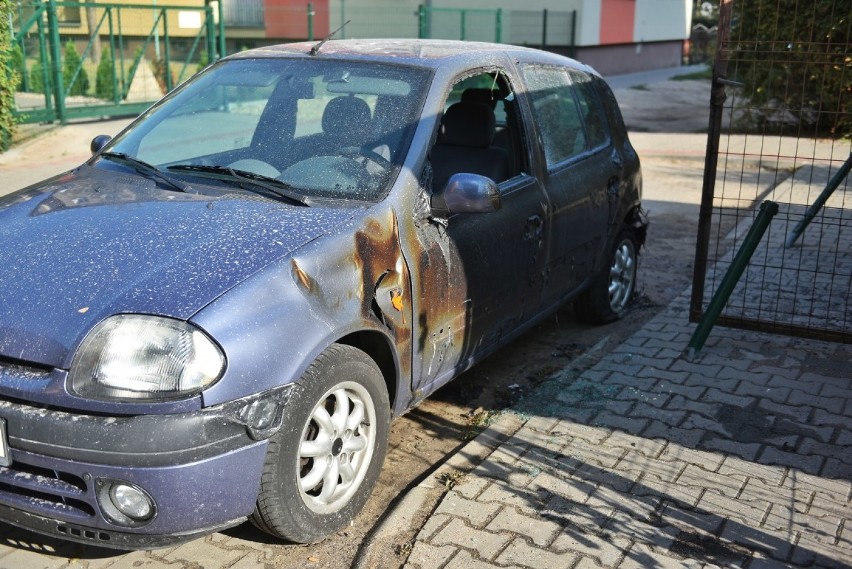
pixel 798 60
pixel 9 79
pixel 71 62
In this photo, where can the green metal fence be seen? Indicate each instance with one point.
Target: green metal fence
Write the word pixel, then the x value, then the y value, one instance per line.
pixel 80 59
pixel 92 59
pixel 537 28
pixel 461 24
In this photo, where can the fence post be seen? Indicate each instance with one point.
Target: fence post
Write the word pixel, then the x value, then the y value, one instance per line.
pixel 211 32
pixel 47 90
pixel 221 25
pixel 116 96
pixel 572 49
pixel 543 28
pixel 498 24
pixel 421 21
pixel 55 54
pixel 711 160
pixel 167 50
pixel 125 88
pixel 463 31
pixel 310 21
pixel 767 211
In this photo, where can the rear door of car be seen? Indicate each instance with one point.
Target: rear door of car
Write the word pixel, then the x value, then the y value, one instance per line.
pixel 580 167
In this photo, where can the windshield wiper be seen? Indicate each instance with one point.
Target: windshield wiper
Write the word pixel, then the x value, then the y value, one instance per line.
pixel 275 186
pixel 145 169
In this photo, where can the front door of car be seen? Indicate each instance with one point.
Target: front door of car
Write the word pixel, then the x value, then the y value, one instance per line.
pixel 481 273
pixel 582 167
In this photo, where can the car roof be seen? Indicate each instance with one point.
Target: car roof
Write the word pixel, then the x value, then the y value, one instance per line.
pixel 425 53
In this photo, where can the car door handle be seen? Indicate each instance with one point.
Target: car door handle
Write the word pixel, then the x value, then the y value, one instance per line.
pixel 533 227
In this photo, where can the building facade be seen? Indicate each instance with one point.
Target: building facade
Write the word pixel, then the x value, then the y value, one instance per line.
pixel 614 36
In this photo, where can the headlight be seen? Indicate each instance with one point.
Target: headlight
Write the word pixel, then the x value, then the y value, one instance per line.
pixel 134 357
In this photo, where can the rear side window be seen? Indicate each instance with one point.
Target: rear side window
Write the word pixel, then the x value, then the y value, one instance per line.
pixel 597 132
pixel 556 113
pixel 569 114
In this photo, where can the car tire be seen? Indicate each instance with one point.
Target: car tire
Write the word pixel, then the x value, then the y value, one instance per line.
pixel 610 294
pixel 322 464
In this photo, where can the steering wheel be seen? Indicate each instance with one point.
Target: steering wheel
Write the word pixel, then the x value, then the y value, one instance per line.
pixel 368 154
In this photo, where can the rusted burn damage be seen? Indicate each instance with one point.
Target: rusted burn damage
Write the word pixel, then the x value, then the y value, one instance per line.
pixel 442 310
pixel 385 283
pixel 303 278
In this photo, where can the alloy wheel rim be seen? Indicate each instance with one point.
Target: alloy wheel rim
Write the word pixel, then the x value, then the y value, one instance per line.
pixel 336 447
pixel 622 276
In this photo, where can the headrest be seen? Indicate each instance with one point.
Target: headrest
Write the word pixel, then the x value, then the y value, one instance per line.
pixel 345 115
pixel 487 97
pixel 468 124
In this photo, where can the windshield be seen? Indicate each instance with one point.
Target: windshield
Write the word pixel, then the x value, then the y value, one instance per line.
pixel 322 128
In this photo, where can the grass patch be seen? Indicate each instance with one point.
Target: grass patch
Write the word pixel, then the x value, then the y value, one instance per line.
pixel 706 73
pixel 477 421
pixel 450 479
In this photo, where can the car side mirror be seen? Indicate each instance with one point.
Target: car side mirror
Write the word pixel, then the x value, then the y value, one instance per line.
pixel 467 193
pixel 99 142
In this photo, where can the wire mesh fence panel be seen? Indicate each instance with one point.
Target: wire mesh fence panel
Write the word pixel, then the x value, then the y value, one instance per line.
pixel 524 27
pixel 539 28
pixel 373 21
pixel 460 24
pixel 561 27
pixel 784 136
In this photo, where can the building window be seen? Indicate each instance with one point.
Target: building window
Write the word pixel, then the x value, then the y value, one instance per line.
pixel 68 15
pixel 243 13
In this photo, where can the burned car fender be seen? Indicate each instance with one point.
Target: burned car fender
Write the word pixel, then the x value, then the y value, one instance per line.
pixel 352 287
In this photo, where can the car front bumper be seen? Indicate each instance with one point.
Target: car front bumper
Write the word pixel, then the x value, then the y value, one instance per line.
pixel 201 469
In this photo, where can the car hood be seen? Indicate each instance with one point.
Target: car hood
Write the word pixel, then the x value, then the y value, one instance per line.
pixel 91 244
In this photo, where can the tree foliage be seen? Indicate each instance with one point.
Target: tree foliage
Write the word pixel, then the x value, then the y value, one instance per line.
pixel 203 61
pixel 18 65
pixel 9 79
pixel 104 86
pixel 37 83
pixel 70 64
pixel 794 60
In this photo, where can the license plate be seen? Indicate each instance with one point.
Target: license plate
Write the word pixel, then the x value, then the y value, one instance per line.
pixel 4 445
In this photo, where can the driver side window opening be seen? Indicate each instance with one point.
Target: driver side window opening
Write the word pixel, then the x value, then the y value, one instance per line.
pixel 568 113
pixel 479 131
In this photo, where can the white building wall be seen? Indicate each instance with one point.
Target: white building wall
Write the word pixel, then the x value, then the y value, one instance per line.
pixel 661 20
pixel 589 30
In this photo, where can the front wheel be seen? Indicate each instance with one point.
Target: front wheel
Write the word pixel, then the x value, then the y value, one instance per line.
pixel 322 465
pixel 609 296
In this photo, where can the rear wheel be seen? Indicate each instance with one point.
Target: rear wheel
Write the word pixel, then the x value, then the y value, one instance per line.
pixel 609 296
pixel 322 465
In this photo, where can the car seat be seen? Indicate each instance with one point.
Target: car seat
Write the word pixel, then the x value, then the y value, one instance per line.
pixel 465 145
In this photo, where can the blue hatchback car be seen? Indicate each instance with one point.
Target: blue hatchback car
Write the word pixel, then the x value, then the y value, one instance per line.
pixel 216 317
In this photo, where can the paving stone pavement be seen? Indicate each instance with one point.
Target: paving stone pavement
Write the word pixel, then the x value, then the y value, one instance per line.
pixel 739 458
